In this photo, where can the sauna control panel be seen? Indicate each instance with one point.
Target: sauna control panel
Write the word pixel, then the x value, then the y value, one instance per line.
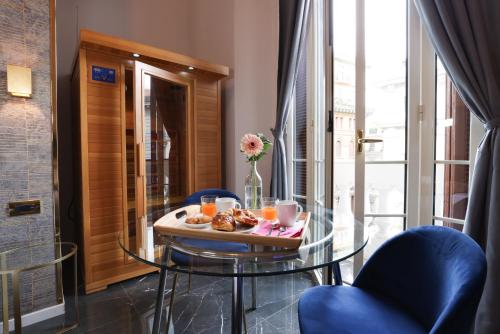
pixel 103 74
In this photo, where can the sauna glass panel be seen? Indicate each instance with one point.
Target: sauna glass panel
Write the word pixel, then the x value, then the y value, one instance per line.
pixel 165 139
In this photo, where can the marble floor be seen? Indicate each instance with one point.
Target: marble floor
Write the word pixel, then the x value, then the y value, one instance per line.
pixel 128 307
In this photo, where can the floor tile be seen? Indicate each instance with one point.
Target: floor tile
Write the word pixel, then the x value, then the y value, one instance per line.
pixel 128 307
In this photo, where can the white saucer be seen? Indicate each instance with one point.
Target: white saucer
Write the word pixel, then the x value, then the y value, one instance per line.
pixel 194 226
pixel 197 226
pixel 245 229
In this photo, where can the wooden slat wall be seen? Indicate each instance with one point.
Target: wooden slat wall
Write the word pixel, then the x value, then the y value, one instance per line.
pixel 103 168
pixel 207 123
pixel 105 118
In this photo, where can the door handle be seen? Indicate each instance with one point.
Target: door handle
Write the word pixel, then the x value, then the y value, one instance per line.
pixel 362 140
pixel 140 160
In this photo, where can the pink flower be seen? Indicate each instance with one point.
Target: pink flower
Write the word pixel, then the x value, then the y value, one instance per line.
pixel 251 145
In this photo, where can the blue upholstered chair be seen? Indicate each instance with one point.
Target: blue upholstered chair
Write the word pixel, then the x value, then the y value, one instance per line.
pixel 195 198
pixel 182 259
pixel 425 280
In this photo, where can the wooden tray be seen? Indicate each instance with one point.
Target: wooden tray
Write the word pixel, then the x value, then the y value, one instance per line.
pixel 170 225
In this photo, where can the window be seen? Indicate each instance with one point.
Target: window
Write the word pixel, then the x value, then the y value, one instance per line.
pixel 338 149
pixel 370 48
pixel 454 128
pixel 382 78
pixel 300 142
pixel 307 122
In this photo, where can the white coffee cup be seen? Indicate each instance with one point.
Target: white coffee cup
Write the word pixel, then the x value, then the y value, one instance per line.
pixel 226 203
pixel 287 212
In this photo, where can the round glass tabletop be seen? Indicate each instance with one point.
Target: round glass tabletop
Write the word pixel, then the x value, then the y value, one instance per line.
pixel 327 241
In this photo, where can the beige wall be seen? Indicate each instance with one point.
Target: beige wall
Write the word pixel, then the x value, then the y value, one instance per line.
pixel 244 36
pixel 240 34
pixel 212 38
pixel 256 57
pixel 162 23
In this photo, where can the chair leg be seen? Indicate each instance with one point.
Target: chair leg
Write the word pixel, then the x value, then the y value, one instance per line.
pixel 171 304
pixel 244 319
pixel 189 283
pixel 254 293
pixel 254 284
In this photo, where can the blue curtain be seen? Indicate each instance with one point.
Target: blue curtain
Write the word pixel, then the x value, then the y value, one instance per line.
pixel 293 17
pixel 466 37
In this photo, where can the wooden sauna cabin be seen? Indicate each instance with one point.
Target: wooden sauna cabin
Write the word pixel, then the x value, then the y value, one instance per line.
pixel 148 128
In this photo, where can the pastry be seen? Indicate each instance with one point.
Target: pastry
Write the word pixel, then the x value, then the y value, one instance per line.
pixel 193 220
pixel 223 222
pixel 245 217
pixel 198 220
pixel 229 212
pixel 206 219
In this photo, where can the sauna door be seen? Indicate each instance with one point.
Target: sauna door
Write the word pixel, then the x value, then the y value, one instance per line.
pixel 162 122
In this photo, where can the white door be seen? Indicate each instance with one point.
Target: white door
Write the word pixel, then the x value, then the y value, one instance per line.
pixel 370 108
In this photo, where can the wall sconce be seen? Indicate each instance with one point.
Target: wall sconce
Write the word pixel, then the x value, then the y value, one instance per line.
pixel 19 81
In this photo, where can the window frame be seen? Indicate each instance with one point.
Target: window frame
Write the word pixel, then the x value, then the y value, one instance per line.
pixel 316 115
pixel 420 129
pixel 427 137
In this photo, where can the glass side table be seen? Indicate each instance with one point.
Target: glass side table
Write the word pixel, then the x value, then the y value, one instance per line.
pixel 15 261
pixel 328 242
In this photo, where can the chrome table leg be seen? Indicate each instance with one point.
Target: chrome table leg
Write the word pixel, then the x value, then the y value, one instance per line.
pixel 161 292
pixel 329 274
pixel 337 274
pixel 171 304
pixel 237 311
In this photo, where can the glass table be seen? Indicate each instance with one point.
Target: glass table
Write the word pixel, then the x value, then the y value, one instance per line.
pixel 16 261
pixel 325 245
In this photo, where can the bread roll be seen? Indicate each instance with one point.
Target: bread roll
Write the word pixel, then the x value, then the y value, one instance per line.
pixel 192 220
pixel 206 219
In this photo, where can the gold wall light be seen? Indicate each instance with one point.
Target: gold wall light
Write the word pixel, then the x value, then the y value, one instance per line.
pixel 19 81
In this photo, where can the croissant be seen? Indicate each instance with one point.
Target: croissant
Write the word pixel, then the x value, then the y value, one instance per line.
pixel 245 217
pixel 223 222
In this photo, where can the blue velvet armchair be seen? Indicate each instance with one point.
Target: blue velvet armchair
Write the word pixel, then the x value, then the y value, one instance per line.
pixel 425 280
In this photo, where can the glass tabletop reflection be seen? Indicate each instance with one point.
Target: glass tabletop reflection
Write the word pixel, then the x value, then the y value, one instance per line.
pixel 327 241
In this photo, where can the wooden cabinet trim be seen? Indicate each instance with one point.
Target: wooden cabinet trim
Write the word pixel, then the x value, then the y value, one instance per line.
pixel 88 37
pixel 85 184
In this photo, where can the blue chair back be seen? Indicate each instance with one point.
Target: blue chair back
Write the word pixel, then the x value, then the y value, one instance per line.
pixel 435 273
pixel 195 198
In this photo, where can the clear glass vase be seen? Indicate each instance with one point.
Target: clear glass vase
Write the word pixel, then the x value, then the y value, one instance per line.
pixel 253 188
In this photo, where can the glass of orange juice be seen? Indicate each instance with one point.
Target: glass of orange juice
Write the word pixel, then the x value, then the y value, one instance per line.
pixel 269 211
pixel 208 207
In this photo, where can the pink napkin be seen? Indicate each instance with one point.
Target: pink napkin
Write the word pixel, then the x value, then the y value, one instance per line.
pixel 290 232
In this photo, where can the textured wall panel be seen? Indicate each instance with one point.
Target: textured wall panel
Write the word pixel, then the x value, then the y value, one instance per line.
pixel 26 143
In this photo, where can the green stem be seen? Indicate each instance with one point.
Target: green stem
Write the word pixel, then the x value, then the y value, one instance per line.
pixel 254 184
pixel 255 196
